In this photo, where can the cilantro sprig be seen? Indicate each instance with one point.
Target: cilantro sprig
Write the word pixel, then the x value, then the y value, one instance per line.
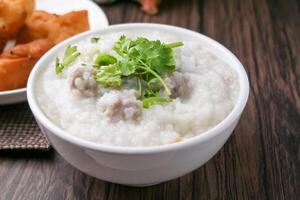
pixel 70 55
pixel 141 61
pixel 144 60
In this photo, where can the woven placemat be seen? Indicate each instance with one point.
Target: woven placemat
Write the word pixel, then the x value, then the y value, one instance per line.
pixel 18 129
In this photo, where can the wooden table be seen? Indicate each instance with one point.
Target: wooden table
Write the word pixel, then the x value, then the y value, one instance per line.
pixel 261 160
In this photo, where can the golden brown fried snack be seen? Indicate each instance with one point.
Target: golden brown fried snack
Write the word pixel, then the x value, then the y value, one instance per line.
pixel 53 27
pixel 37 26
pixel 32 50
pixel 2 44
pixel 150 6
pixel 17 62
pixel 69 25
pixel 12 16
pixel 14 73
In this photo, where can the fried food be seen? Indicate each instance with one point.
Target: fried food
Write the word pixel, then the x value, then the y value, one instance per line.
pixel 14 73
pixel 53 27
pixel 12 16
pixel 17 62
pixel 2 44
pixel 69 25
pixel 32 50
pixel 150 6
pixel 37 26
pixel 36 32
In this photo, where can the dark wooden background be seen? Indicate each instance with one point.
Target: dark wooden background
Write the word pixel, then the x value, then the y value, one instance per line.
pixel 262 158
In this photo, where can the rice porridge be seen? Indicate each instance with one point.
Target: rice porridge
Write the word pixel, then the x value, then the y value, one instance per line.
pixel 99 91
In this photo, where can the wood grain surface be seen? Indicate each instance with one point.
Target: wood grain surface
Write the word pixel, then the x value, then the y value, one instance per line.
pixel 261 160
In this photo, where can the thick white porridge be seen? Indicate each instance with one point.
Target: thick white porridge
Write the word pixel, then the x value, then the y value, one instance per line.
pixel 204 91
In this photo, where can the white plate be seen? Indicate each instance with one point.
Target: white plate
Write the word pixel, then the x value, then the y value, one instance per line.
pixel 97 20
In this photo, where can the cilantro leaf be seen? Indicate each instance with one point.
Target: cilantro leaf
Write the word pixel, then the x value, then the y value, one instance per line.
pixel 58 66
pixel 122 46
pixel 154 54
pixel 109 76
pixel 148 102
pixel 104 59
pixel 126 68
pixel 70 55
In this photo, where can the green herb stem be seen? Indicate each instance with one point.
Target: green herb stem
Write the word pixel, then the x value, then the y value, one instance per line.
pixel 147 68
pixel 161 80
pixel 174 45
pixel 139 86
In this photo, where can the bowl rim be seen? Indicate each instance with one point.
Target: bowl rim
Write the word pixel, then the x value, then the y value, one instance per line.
pixel 232 117
pixel 14 91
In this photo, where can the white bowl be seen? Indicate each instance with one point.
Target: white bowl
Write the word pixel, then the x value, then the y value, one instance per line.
pixel 143 165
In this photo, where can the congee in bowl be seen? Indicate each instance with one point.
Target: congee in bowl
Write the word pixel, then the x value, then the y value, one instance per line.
pixel 137 88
